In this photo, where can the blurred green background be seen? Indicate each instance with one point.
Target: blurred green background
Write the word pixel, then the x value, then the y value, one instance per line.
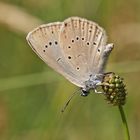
pixel 32 94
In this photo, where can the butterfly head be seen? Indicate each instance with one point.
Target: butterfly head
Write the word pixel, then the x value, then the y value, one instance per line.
pixel 84 93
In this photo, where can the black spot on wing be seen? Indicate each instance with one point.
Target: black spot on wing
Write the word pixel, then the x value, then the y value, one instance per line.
pixel 56 42
pixel 78 68
pixel 72 40
pixel 88 43
pixel 58 59
pixel 50 43
pixel 94 43
pixel 77 38
pixel 69 57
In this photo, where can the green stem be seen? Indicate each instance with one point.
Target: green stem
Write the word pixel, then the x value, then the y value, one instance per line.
pixel 125 126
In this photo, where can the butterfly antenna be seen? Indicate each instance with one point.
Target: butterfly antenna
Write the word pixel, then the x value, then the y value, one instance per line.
pixel 68 101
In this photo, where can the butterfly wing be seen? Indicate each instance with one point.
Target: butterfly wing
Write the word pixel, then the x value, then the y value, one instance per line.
pixel 44 42
pixel 83 43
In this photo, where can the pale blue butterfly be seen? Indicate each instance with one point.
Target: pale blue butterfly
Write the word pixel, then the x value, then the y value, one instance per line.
pixel 76 48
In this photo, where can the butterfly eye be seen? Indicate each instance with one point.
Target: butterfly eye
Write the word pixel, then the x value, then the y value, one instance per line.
pixel 69 47
pixel 94 43
pixel 98 50
pixel 43 50
pixel 46 46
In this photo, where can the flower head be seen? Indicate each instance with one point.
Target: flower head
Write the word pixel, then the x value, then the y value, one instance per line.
pixel 114 89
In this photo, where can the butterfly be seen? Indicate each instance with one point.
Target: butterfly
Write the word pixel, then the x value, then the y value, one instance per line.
pixel 76 48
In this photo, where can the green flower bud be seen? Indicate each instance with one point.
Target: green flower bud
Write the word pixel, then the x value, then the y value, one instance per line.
pixel 117 76
pixel 105 88
pixel 112 81
pixel 112 86
pixel 110 90
pixel 117 80
pixel 114 89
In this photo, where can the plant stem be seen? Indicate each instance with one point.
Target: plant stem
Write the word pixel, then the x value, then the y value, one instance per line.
pixel 125 126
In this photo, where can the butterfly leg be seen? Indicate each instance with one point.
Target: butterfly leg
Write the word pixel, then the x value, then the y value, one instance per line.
pixel 98 88
pixel 99 92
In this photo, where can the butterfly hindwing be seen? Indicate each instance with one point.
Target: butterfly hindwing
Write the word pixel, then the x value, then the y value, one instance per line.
pixel 83 43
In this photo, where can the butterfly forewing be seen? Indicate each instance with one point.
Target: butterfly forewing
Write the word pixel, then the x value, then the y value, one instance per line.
pixel 83 43
pixel 45 43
